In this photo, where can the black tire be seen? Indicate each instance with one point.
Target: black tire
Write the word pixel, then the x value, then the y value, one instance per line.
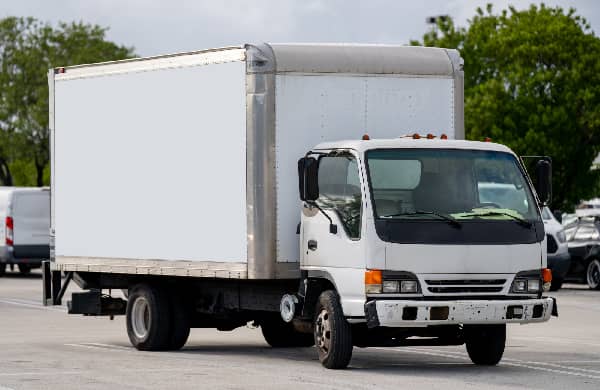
pixel 2 269
pixel 180 321
pixel 24 269
pixel 281 334
pixel 485 343
pixel 592 274
pixel 556 284
pixel 332 333
pixel 148 318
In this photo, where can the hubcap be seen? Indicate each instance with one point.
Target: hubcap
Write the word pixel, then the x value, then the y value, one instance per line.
pixel 140 317
pixel 593 274
pixel 323 331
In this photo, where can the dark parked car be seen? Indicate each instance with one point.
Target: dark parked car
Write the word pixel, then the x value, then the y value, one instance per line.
pixel 583 236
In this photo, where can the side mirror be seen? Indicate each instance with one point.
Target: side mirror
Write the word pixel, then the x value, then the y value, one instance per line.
pixel 543 180
pixel 308 179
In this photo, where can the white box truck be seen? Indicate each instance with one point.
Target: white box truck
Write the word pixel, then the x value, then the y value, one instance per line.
pixel 24 236
pixel 272 183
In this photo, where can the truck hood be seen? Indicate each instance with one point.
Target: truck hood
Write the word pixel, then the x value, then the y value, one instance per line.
pixel 463 259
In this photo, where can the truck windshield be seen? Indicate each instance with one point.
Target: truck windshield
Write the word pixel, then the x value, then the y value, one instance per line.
pixel 457 184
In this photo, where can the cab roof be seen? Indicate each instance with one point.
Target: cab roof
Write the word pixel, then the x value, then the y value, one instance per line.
pixel 409 143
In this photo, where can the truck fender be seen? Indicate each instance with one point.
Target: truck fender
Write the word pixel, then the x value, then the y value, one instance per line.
pixel 313 284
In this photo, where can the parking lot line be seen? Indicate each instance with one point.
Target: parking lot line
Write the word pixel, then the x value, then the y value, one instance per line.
pixel 559 369
pixel 31 304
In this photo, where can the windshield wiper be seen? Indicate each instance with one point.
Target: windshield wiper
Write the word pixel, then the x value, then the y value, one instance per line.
pixel 451 220
pixel 490 213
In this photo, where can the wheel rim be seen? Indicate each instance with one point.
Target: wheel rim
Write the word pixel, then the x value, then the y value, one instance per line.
pixel 323 332
pixel 140 317
pixel 593 274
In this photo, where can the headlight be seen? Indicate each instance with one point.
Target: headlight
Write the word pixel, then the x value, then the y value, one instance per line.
pixel 390 286
pixel 375 283
pixel 533 285
pixel 520 286
pixel 409 286
pixel 526 286
pixel 561 236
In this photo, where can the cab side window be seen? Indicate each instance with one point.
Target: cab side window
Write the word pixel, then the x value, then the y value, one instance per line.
pixel 339 190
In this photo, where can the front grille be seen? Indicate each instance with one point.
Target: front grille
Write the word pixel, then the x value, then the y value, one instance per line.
pixel 446 286
pixel 551 244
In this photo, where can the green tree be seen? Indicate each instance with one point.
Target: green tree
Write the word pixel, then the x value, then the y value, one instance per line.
pixel 28 48
pixel 532 82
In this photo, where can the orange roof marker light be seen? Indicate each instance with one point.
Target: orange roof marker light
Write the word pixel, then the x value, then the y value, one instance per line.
pixel 366 137
pixel 430 136
pixel 443 136
pixel 416 136
pixel 487 139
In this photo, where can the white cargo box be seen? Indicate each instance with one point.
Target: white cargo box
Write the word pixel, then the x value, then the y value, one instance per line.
pixel 186 164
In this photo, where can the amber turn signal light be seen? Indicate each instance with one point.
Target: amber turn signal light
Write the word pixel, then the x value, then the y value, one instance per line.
pixel 547 275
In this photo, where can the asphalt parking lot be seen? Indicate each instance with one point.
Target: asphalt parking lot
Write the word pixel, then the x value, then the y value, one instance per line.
pixel 44 348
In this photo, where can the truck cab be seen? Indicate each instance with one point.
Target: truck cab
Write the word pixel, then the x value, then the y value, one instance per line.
pixel 414 245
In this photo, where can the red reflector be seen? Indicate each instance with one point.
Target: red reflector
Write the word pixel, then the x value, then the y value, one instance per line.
pixel 416 136
pixel 9 231
pixel 366 137
pixel 443 136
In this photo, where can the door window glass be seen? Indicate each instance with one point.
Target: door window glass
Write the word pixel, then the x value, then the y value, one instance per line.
pixel 339 190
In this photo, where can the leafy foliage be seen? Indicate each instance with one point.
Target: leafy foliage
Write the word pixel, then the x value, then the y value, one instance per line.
pixel 532 82
pixel 28 48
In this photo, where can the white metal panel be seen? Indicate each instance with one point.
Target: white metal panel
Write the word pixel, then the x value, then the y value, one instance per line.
pixel 462 259
pixel 172 61
pixel 363 59
pixel 152 165
pixel 315 108
pixel 31 216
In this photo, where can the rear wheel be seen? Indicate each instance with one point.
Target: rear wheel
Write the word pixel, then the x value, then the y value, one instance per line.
pixel 556 284
pixel 24 269
pixel 2 269
pixel 280 334
pixel 148 318
pixel 485 343
pixel 592 274
pixel 333 334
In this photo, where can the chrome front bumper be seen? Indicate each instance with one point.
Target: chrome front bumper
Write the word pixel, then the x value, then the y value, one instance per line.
pixel 406 313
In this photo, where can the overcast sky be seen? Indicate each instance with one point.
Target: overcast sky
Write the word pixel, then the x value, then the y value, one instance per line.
pixel 167 26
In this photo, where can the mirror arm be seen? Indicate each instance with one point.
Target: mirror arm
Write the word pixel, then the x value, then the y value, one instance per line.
pixel 332 226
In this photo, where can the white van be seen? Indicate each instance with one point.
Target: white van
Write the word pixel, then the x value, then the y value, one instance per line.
pixel 24 227
pixel 559 259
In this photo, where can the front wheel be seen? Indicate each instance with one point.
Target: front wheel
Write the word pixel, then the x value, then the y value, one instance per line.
pixel 333 334
pixel 592 274
pixel 485 343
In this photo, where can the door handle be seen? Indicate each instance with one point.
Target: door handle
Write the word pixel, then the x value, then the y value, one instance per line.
pixel 312 245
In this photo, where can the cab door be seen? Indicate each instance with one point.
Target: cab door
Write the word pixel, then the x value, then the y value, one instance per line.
pixel 341 199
